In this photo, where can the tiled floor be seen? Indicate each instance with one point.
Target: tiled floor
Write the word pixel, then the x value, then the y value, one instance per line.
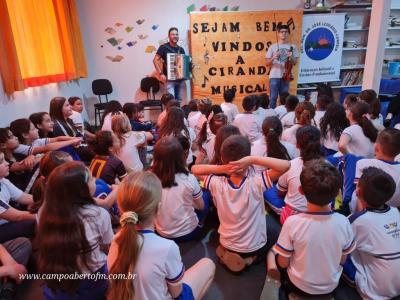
pixel 250 284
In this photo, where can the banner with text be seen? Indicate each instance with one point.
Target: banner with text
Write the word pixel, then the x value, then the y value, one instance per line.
pixel 228 50
pixel 321 48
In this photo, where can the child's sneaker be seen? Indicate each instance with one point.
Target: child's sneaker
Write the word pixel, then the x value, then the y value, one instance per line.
pixel 232 260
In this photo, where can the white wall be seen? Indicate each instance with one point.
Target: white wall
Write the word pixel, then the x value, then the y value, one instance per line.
pixel 95 16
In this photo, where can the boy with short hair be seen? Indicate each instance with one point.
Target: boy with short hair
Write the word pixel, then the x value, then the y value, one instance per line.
pixel 375 263
pixel 247 121
pixel 239 200
pixel 312 245
pixel 229 109
pixel 387 147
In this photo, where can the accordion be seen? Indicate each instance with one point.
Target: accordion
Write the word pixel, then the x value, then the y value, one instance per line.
pixel 178 66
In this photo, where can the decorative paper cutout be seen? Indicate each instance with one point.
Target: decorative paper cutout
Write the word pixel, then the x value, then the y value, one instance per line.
pixel 110 30
pixel 140 22
pixel 119 41
pixel 226 8
pixel 128 28
pixel 131 44
pixel 142 36
pixel 119 48
pixel 113 41
pixel 118 24
pixel 213 8
pixel 190 8
pixel 235 8
pixel 116 58
pixel 204 8
pixel 150 49
pixel 154 27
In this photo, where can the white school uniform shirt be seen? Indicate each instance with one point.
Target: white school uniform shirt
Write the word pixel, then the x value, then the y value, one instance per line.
pixel 392 168
pixel 262 113
pixel 288 120
pixel 280 111
pixel 289 134
pixel 159 262
pixel 9 192
pixel 76 118
pixel 193 118
pixel 378 122
pixel 315 243
pixel 209 146
pixel 97 223
pixel 230 110
pixel 248 126
pixel 27 150
pixel 377 253
pixel 259 148
pixel 330 141
pixel 241 210
pixel 176 216
pixel 129 153
pixel 318 116
pixel 289 182
pixel 359 144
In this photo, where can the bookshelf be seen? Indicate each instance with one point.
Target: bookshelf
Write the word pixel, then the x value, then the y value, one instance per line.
pixel 392 48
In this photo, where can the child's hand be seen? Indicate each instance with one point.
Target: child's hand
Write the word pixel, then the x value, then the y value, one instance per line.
pixel 241 164
pixel 30 161
pixel 76 142
pixel 15 270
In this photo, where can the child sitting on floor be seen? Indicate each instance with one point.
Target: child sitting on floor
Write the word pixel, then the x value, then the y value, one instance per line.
pixel 105 165
pixel 137 250
pixel 239 201
pixel 183 207
pixel 312 245
pixel 247 121
pixel 375 263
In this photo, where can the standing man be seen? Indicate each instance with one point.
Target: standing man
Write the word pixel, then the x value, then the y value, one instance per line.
pixel 277 55
pixel 174 87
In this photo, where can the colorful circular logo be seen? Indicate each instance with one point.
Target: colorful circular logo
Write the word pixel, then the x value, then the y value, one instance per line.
pixel 319 43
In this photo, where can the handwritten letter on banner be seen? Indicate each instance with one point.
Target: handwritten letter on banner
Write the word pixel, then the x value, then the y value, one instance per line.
pixel 321 48
pixel 228 50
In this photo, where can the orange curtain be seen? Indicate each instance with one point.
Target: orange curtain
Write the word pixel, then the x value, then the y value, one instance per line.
pixel 45 44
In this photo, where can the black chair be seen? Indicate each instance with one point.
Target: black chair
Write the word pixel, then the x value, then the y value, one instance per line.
pixel 150 86
pixel 101 87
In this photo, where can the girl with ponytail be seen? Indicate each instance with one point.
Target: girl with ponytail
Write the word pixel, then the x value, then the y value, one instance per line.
pixel 304 112
pixel 270 144
pixel 285 199
pixel 152 265
pixel 360 136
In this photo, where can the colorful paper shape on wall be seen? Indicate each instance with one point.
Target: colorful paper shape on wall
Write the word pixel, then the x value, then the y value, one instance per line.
pixel 190 8
pixel 235 8
pixel 154 27
pixel 150 49
pixel 142 36
pixel 213 8
pixel 119 48
pixel 119 41
pixel 140 21
pixel 116 58
pixel 128 29
pixel 110 30
pixel 131 44
pixel 113 41
pixel 118 24
pixel 226 8
pixel 204 8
